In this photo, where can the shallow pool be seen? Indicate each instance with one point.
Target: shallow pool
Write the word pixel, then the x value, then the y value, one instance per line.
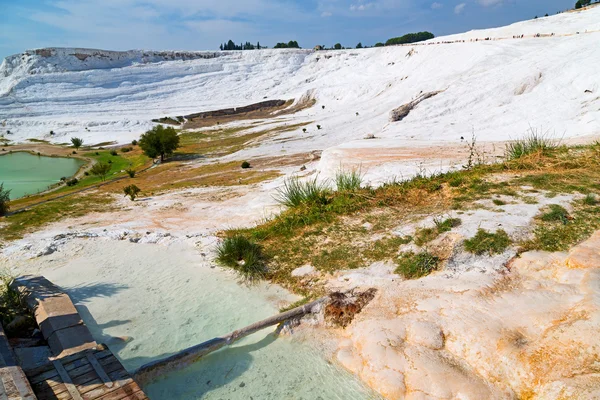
pixel 148 301
pixel 24 173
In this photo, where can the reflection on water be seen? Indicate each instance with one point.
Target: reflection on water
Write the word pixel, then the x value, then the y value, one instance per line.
pixel 263 366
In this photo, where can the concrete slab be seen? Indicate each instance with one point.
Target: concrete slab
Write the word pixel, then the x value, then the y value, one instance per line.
pixel 71 340
pixel 13 382
pixel 56 316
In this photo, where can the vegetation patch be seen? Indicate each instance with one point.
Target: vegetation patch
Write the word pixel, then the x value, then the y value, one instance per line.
pixel 348 181
pixel 533 143
pixel 559 230
pixel 18 224
pixel 556 213
pixel 415 266
pixel 296 192
pixel 15 316
pixel 243 255
pixel 485 242
pixel 426 235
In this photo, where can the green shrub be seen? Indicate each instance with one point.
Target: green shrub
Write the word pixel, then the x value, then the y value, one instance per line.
pixel 414 266
pixel 245 164
pixel 113 152
pixel 134 142
pixel 132 191
pixel 348 181
pixel 72 182
pixel 556 214
pixel 13 304
pixel 318 126
pixel 534 142
pixel 243 256
pixel 130 172
pixel 86 173
pixel 126 149
pixel 100 169
pixel 498 202
pixel 294 192
pixel 4 200
pixel 487 242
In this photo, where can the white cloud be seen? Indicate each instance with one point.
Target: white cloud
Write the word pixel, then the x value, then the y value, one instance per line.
pixel 489 3
pixel 326 14
pixel 361 7
pixel 459 8
pixel 436 6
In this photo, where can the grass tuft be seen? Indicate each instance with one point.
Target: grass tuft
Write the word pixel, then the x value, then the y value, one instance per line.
pixel 242 255
pixel 486 242
pixel 414 266
pixel 556 214
pixel 590 200
pixel 534 142
pixel 294 192
pixel 348 181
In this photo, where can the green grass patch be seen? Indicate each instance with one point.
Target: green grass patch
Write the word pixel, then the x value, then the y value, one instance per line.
pixel 414 266
pixel 485 242
pixel 16 225
pixel 426 235
pixel 590 200
pixel 243 255
pixel 559 231
pixel 556 213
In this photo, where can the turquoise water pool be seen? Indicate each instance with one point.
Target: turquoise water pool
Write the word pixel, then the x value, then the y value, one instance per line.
pixel 25 173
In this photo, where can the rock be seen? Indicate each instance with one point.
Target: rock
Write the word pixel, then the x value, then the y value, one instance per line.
pixel 342 307
pixel 47 250
pixel 304 271
pixel 425 334
pixel 586 255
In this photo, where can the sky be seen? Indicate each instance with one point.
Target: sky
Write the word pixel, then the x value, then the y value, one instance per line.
pixel 204 24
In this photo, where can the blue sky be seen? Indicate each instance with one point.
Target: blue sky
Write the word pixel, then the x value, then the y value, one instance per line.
pixel 203 24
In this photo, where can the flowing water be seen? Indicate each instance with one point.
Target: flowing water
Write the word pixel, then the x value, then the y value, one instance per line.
pixel 148 301
pixel 24 173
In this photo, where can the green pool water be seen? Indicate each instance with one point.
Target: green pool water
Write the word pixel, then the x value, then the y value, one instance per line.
pixel 25 173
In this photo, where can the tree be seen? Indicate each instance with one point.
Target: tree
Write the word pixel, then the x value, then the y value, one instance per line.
pixel 337 46
pixel 132 191
pixel 77 142
pixel 159 141
pixel 359 45
pixel 410 38
pixel 379 44
pixel 101 170
pixel 4 200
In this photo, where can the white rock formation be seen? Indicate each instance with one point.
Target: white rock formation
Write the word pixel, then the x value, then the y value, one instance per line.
pixel 528 332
